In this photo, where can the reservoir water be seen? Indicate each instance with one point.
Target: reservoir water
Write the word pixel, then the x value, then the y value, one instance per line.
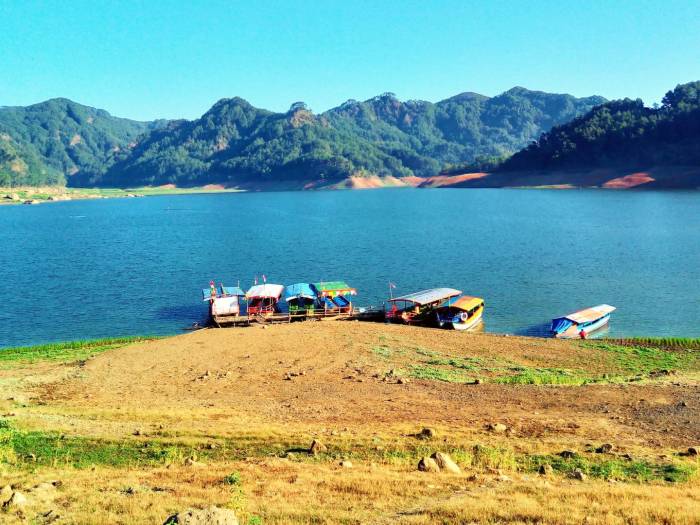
pixel 87 269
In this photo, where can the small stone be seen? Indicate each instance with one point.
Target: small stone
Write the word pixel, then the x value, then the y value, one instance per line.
pixel 211 446
pixel 605 448
pixel 5 494
pixel 317 448
pixel 445 462
pixel 568 454
pixel 346 464
pixel 578 475
pixel 427 464
pixel 477 381
pixel 208 516
pixel 503 478
pixel 426 433
pixel 403 381
pixel 546 470
pixel 138 432
pixel 496 427
pixel 16 500
pixel 692 451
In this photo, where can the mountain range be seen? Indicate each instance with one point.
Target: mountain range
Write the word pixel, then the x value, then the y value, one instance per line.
pixel 518 138
pixel 237 144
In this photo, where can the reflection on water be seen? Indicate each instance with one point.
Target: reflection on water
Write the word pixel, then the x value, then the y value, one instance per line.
pixel 137 266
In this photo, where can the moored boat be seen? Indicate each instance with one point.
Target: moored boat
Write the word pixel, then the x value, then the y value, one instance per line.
pixel 301 298
pixel 581 323
pixel 335 296
pixel 461 313
pixel 263 299
pixel 224 303
pixel 419 307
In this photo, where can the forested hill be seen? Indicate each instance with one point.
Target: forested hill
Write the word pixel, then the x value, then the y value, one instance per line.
pixel 45 143
pixel 622 134
pixel 235 143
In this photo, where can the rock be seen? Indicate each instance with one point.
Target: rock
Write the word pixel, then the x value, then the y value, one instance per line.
pixel 5 494
pixel 427 464
pixel 16 500
pixel 546 470
pixel 208 516
pixel 692 451
pixel 496 427
pixel 426 433
pixel 568 454
pixel 578 475
pixel 605 448
pixel 346 464
pixel 192 462
pixel 138 432
pixel 503 478
pixel 317 448
pixel 444 461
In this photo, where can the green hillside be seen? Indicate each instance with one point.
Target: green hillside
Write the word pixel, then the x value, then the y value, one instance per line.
pixel 46 143
pixel 622 133
pixel 236 143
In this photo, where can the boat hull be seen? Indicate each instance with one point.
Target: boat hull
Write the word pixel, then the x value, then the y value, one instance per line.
pixel 574 331
pixel 456 322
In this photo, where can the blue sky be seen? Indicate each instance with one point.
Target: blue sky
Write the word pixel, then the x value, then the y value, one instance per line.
pixel 169 59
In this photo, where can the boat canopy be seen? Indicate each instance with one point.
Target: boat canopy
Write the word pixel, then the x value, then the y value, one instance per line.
pixel 222 291
pixel 300 291
pixel 463 302
pixel 334 288
pixel 273 291
pixel 430 296
pixel 587 315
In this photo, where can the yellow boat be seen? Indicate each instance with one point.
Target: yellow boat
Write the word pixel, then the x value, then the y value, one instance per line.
pixel 461 313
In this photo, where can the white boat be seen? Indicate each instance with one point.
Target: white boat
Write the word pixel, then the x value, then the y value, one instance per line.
pixel 582 323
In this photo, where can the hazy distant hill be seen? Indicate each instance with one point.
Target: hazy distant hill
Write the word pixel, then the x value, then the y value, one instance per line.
pixel 235 143
pixel 43 143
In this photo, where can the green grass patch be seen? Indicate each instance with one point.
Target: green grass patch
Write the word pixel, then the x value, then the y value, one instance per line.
pixel 673 343
pixel 433 373
pixel 645 360
pixel 542 376
pixel 67 352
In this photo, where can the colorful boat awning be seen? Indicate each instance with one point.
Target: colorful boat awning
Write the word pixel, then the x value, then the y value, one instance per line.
pixel 589 314
pixel 273 291
pixel 464 302
pixel 334 288
pixel 300 290
pixel 430 296
pixel 221 291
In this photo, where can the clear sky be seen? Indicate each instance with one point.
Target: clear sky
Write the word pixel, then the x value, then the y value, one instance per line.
pixel 174 59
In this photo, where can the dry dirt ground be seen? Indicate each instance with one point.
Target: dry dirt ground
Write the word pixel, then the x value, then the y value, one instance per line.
pixel 251 401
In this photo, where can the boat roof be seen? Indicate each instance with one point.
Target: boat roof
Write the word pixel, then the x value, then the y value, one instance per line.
pixel 463 302
pixel 305 290
pixel 265 290
pixel 335 288
pixel 222 291
pixel 428 296
pixel 589 314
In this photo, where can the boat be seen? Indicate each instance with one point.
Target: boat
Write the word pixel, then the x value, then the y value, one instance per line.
pixel 581 323
pixel 335 296
pixel 263 299
pixel 419 307
pixel 461 313
pixel 224 303
pixel 301 298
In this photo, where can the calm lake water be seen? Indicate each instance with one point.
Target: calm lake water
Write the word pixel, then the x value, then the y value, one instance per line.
pixel 86 269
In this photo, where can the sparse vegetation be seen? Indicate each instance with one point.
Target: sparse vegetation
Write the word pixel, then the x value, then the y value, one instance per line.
pixel 70 351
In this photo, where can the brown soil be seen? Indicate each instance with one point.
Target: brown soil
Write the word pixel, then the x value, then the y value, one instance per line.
pixel 337 378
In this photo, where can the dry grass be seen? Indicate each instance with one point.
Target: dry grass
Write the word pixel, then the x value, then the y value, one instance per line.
pixel 76 421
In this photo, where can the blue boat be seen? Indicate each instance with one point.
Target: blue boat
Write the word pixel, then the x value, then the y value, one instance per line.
pixel 582 323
